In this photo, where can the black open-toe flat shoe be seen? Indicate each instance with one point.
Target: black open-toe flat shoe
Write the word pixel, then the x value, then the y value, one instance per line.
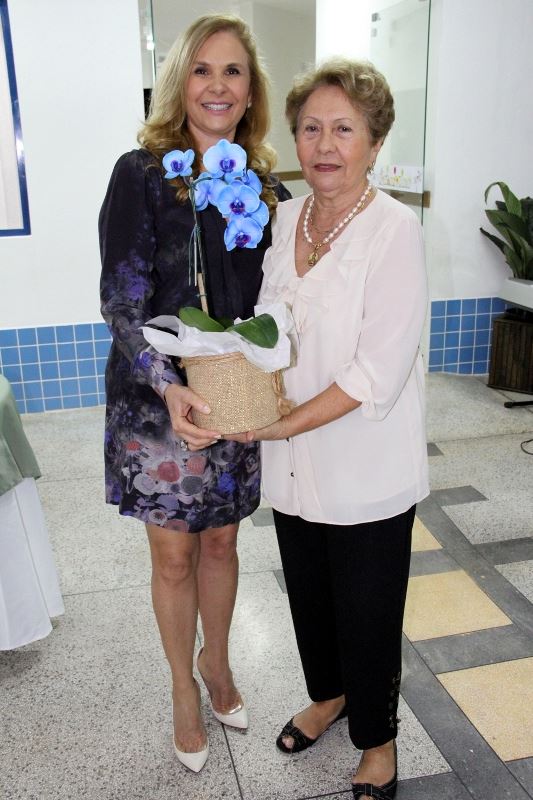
pixel 301 741
pixel 385 792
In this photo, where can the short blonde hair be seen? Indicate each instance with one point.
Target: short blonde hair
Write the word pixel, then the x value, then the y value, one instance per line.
pixel 363 85
pixel 166 126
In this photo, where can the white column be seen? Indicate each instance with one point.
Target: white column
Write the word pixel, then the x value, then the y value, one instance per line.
pixel 342 28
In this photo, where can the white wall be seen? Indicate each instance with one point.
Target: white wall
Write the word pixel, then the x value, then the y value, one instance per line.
pixel 479 129
pixel 78 69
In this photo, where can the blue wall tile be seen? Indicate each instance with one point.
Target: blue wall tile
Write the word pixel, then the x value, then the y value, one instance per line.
pixel 8 338
pixel 88 386
pixel 101 348
pixel 72 402
pixel 466 355
pixel 46 335
pixel 65 333
pixel 33 390
pixel 466 369
pixel 101 331
pixel 451 356
pixel 436 358
pixel 83 333
pixel 47 352
pixel 18 390
pixel 31 372
pixel 10 356
pixel 468 322
pixel 87 368
pixel 51 389
pixel 29 355
pixel 481 353
pixel 49 371
pixel 467 338
pixel 66 351
pixel 453 323
pixel 34 405
pixel 84 350
pixel 89 400
pixel 68 369
pixel 467 329
pixel 13 374
pixel 483 322
pixel 483 305
pixel 52 403
pixel 451 340
pixel 453 307
pixel 70 387
pixel 27 336
pixel 468 306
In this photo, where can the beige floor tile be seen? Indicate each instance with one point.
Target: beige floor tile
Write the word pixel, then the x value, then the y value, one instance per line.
pixel 422 538
pixel 448 603
pixel 498 699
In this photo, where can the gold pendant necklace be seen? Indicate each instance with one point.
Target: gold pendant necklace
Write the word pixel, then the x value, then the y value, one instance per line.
pixel 313 257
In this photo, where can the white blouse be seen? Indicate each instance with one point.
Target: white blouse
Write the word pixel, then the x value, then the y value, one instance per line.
pixel 358 315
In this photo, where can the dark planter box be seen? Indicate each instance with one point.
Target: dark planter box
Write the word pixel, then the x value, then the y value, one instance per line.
pixel 511 358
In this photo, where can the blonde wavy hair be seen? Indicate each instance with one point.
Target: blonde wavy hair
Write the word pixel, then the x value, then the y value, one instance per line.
pixel 166 125
pixel 363 85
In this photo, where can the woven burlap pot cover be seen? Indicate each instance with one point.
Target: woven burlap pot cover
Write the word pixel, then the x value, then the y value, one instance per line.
pixel 241 397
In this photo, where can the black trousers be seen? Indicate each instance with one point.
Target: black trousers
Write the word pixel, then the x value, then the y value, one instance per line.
pixel 347 587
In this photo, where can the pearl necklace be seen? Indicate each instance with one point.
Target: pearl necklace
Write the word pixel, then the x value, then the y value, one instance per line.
pixel 314 256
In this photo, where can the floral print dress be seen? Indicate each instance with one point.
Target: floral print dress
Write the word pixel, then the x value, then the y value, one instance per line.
pixel 144 241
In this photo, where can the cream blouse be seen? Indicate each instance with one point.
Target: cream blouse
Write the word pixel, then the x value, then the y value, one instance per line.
pixel 358 316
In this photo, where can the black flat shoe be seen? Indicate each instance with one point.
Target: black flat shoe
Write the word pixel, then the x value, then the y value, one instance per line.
pixel 385 792
pixel 301 741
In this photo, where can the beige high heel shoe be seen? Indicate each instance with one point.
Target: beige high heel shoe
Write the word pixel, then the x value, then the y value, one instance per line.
pixel 236 718
pixel 194 761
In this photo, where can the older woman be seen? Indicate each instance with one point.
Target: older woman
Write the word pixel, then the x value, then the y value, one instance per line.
pixel 345 469
pixel 187 486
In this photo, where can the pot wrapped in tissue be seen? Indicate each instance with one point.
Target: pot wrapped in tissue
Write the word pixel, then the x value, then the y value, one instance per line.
pixel 240 380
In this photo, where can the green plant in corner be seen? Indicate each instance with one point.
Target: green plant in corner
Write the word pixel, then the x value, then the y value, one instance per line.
pixel 513 219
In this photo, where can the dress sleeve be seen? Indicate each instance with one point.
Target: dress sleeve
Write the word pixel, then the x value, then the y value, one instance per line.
pixel 127 247
pixel 395 304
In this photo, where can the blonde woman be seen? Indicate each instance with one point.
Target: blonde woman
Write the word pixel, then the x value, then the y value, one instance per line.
pixel 189 487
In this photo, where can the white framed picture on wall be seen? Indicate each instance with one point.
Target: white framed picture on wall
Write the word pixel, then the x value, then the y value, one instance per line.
pixel 14 209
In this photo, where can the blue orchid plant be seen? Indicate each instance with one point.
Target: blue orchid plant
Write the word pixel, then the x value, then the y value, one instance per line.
pixel 226 184
pixel 235 190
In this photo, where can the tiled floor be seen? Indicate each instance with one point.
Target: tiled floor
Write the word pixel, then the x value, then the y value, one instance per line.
pixel 85 713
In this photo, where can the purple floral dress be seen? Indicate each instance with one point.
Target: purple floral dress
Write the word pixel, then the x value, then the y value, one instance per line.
pixel 144 240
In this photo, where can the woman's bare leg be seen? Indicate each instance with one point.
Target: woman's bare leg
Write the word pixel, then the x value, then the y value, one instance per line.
pixel 175 600
pixel 218 569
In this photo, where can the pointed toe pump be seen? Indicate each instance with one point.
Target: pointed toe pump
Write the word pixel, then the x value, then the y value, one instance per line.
pixel 193 761
pixel 236 718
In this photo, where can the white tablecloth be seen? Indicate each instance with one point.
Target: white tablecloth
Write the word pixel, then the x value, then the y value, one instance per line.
pixel 29 587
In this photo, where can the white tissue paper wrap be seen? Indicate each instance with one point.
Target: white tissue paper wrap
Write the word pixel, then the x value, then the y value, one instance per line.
pixel 189 341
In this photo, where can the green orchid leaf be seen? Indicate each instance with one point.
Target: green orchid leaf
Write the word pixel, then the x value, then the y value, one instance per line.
pixel 512 202
pixel 261 330
pixel 503 218
pixel 498 242
pixel 196 318
pixel 522 248
pixel 527 216
pixel 514 260
pixel 226 322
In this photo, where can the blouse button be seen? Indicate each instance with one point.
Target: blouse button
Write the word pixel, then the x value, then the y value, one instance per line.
pixel 292 474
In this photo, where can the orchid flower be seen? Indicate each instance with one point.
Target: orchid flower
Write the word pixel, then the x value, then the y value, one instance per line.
pixel 225 160
pixel 237 198
pixel 178 163
pixel 242 232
